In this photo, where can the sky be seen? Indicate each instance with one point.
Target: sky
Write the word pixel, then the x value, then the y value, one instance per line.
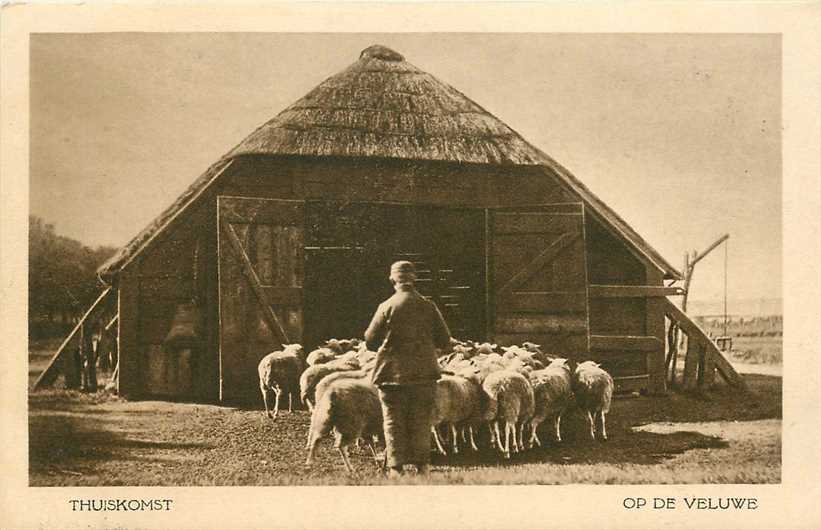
pixel 679 134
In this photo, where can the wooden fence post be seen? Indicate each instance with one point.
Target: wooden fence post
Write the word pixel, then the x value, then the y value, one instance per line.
pixel 691 363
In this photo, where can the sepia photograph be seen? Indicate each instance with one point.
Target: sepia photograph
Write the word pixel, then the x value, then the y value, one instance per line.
pixel 410 265
pixel 329 259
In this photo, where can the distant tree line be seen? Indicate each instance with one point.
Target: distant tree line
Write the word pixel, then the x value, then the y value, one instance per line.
pixel 62 278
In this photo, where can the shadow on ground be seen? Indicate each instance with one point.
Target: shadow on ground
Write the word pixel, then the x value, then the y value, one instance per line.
pixel 82 439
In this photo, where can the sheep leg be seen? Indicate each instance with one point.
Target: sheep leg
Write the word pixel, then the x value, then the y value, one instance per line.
pixel 464 436
pixel 534 437
pixel 498 437
pixel 290 401
pixel 343 451
pixel 514 432
pixel 436 439
pixel 472 441
pixel 521 436
pixel 264 391
pixel 277 392
pixel 558 427
pixel 455 439
pixel 592 425
pixel 312 445
pixel 603 428
pixel 507 439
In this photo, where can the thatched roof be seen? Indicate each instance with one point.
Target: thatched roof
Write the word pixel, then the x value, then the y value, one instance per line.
pixel 382 106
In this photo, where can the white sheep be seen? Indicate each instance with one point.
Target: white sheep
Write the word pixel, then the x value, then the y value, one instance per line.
pixel 279 373
pixel 456 402
pixel 510 399
pixel 553 394
pixel 327 381
pixel 594 390
pixel 351 409
pixel 320 356
pixel 314 374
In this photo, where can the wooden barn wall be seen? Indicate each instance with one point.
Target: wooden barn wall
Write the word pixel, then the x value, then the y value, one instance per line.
pixel 391 181
pixel 610 262
pixel 177 268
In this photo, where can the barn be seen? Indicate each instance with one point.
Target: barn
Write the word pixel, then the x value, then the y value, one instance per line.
pixel 289 236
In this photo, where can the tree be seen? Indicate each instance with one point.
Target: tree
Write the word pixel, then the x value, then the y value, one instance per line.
pixel 62 273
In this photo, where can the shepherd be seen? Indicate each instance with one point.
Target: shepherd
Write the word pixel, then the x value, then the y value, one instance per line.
pixel 406 331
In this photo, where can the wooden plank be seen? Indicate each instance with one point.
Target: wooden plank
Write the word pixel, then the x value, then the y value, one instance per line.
pixel 633 383
pixel 691 363
pixel 554 208
pixel 654 327
pixel 621 363
pixel 518 223
pixel 267 313
pixel 284 296
pixel 691 329
pixel 242 210
pixel 618 316
pixel 169 288
pixel 707 371
pixel 111 322
pixel 633 291
pixel 48 375
pixel 542 302
pixel 546 256
pixel 724 368
pixel 129 380
pixel 570 346
pixel 207 384
pixel 625 343
pixel 572 323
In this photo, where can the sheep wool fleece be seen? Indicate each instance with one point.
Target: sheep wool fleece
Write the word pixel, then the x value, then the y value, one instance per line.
pixel 407 412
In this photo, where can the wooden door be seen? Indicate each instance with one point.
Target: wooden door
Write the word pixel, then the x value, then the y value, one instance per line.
pixel 538 277
pixel 260 249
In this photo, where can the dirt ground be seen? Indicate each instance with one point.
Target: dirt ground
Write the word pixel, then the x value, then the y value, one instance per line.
pixel 90 440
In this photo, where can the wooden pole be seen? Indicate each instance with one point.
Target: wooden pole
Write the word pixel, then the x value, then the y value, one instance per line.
pixel 50 373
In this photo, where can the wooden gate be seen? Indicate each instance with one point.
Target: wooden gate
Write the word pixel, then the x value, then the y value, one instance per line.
pixel 538 277
pixel 260 286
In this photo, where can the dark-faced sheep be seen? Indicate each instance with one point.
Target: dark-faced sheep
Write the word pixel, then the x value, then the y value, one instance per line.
pixel 594 390
pixel 552 392
pixel 279 373
pixel 510 400
pixel 351 409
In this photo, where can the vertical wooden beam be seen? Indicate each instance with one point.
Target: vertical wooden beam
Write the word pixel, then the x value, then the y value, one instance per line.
pixel 130 377
pixel 654 327
pixel 489 308
pixel 694 352
pixel 708 370
pixel 209 371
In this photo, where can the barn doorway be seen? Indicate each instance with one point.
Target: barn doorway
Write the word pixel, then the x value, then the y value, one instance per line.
pixel 350 246
pixel 307 271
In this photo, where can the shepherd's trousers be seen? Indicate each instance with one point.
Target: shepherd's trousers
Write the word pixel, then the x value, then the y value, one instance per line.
pixel 407 414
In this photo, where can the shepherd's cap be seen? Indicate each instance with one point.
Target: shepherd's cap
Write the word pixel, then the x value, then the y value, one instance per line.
pixel 403 271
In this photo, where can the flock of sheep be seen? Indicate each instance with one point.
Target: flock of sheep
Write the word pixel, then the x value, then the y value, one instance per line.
pixel 510 391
